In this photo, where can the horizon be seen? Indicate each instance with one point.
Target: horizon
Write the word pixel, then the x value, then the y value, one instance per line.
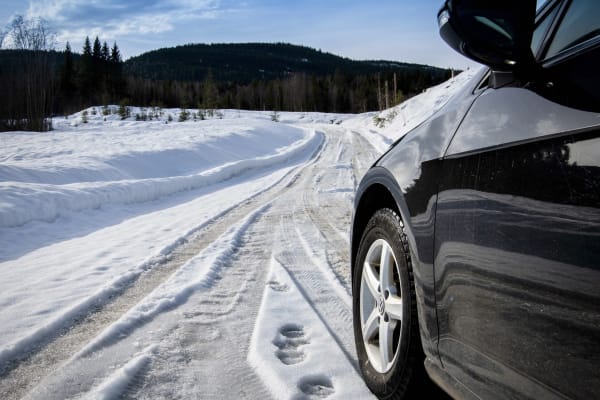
pixel 391 30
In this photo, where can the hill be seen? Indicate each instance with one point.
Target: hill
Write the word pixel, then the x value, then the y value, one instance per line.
pixel 245 62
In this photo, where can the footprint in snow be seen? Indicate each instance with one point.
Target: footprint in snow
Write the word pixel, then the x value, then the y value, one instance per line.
pixel 288 342
pixel 315 387
pixel 278 287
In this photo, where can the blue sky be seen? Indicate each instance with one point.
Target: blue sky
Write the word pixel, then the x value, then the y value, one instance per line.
pixel 401 30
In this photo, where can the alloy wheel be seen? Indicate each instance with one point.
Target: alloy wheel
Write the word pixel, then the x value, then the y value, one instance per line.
pixel 381 306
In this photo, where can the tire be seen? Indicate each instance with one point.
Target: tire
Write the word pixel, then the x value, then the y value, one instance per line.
pixel 386 328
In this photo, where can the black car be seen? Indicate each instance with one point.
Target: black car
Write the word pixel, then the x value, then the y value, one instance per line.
pixel 476 238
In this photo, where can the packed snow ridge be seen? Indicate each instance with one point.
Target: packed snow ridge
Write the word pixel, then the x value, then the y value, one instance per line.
pixel 132 166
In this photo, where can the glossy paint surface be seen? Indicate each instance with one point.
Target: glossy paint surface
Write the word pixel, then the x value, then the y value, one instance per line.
pixel 513 114
pixel 517 253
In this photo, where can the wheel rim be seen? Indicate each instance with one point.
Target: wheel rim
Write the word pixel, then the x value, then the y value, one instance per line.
pixel 381 306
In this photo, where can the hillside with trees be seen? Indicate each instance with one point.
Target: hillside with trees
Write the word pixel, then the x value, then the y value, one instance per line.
pixel 246 62
pixel 278 76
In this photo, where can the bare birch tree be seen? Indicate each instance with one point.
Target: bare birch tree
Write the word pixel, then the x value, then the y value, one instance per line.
pixel 33 99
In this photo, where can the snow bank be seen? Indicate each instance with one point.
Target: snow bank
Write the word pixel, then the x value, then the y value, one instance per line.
pixel 165 163
pixel 398 120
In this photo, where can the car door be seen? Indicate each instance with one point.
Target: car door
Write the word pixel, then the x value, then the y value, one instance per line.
pixel 517 249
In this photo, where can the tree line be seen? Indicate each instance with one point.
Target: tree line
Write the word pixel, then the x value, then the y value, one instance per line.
pixel 340 92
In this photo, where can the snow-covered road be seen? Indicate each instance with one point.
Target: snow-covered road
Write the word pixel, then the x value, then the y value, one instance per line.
pixel 200 259
pixel 278 234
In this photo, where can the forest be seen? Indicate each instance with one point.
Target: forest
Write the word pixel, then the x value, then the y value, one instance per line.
pixel 43 82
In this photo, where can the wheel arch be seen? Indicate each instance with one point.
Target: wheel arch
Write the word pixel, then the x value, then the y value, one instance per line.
pixel 377 190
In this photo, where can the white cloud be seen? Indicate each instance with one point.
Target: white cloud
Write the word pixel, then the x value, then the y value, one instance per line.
pixel 50 9
pixel 75 19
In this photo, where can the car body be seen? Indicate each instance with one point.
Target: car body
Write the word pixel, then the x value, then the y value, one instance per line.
pixel 497 202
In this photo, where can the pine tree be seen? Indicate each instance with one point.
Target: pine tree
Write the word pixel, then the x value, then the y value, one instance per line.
pixel 105 53
pixel 87 47
pixel 97 49
pixel 115 54
pixel 184 115
pixel 116 80
pixel 86 74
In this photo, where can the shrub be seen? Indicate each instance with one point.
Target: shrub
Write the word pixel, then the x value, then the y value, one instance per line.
pixel 184 115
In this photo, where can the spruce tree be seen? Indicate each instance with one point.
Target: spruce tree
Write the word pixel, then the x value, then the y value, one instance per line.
pixel 115 54
pixel 87 47
pixel 105 53
pixel 116 80
pixel 97 49
pixel 86 74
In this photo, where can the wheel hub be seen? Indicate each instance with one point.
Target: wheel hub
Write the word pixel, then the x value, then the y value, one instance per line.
pixel 381 306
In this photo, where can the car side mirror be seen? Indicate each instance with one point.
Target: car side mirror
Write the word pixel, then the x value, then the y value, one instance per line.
pixel 496 33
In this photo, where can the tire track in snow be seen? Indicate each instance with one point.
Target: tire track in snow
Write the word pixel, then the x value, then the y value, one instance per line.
pixel 310 270
pixel 180 338
pixel 198 273
pixel 228 309
pixel 311 248
pixel 330 209
pixel 329 298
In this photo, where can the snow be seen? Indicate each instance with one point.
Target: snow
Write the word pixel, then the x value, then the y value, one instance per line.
pixel 123 167
pixel 242 222
pixel 301 345
pixel 199 272
pixel 116 384
pixel 75 277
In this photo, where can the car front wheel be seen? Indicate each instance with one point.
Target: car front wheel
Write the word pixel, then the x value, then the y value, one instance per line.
pixel 386 327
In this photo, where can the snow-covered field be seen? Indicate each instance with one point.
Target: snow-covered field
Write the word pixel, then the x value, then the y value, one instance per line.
pixel 196 259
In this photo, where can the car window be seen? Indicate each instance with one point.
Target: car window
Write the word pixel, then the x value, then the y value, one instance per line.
pixel 542 27
pixel 540 4
pixel 580 23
